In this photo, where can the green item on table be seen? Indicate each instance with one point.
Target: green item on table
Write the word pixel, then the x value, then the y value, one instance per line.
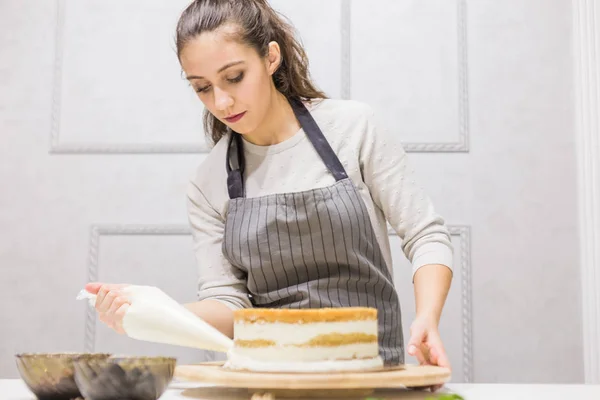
pixel 446 396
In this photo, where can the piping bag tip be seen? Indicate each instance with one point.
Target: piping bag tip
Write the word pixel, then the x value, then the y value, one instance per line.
pixel 84 294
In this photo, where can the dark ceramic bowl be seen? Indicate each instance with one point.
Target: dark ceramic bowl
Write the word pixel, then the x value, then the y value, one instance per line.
pixel 50 376
pixel 132 378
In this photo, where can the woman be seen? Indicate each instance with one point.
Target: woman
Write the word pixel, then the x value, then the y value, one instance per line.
pixel 293 212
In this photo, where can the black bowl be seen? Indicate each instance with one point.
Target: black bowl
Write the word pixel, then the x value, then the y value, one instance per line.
pixel 127 377
pixel 50 376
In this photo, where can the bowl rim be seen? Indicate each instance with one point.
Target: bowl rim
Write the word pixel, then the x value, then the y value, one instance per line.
pixel 130 359
pixel 54 355
pixel 141 358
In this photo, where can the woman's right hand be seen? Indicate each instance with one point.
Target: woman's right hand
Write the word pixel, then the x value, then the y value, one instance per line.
pixel 111 303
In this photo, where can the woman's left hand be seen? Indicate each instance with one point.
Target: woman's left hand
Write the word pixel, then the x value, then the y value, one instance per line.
pixel 426 344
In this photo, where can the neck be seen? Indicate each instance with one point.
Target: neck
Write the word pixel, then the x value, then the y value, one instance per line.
pixel 279 124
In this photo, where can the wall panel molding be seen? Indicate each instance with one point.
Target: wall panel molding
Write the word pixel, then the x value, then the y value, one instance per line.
pixel 463 232
pixel 93 264
pixel 462 144
pixel 59 147
pixel 586 34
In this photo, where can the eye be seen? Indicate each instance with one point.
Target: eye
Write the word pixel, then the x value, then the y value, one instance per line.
pixel 203 89
pixel 237 78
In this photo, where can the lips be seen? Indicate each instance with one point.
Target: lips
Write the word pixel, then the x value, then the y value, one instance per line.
pixel 235 117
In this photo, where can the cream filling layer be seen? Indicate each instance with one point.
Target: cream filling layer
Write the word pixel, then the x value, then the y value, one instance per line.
pixel 315 359
pixel 303 354
pixel 285 334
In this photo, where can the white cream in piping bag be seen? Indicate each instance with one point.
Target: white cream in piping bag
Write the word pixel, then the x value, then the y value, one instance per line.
pixel 153 316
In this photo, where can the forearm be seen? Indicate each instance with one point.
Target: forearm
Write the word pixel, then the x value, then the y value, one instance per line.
pixel 214 313
pixel 431 286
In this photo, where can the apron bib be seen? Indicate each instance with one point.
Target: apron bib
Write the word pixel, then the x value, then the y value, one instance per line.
pixel 311 249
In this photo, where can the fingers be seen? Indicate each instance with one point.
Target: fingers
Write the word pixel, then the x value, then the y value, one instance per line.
pixel 421 353
pixel 415 344
pixel 417 353
pixel 426 354
pixel 439 357
pixel 104 299
pixel 93 287
pixel 116 303
pixel 443 360
pixel 421 356
pixel 438 353
pixel 119 315
pixel 433 355
pixel 106 294
pixel 111 304
pixel 426 346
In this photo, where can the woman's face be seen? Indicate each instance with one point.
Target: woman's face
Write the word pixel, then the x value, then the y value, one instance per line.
pixel 231 79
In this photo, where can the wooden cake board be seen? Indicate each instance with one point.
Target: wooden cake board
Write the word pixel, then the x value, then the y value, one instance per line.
pixel 331 384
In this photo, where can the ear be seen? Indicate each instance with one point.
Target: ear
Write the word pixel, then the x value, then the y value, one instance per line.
pixel 273 57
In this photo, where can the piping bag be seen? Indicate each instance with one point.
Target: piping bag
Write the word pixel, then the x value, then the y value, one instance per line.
pixel 153 316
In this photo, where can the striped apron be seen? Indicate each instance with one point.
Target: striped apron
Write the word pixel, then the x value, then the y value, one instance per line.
pixel 310 249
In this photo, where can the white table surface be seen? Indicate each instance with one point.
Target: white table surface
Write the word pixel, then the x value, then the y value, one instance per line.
pixel 15 389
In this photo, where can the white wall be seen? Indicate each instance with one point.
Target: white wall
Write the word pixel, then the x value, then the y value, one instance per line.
pixel 100 134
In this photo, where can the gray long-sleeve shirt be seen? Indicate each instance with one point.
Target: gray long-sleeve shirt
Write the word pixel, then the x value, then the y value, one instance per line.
pixel 375 161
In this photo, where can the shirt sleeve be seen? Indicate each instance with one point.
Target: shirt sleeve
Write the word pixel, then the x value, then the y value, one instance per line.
pixel 390 178
pixel 218 278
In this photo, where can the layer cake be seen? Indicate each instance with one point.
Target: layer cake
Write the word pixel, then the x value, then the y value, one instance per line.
pixel 305 340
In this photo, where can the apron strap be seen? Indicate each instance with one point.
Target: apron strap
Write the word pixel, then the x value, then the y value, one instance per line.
pixel 315 135
pixel 235 167
pixel 235 152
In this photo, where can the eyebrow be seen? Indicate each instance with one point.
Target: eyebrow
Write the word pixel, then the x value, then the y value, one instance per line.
pixel 223 68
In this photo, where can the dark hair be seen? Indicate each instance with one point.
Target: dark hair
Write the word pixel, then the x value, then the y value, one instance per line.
pixel 258 25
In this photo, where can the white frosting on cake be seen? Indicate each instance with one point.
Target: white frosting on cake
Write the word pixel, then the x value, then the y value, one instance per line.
pixel 241 362
pixel 286 347
pixel 282 333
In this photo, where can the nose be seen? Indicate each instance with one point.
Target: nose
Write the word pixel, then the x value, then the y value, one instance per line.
pixel 223 100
